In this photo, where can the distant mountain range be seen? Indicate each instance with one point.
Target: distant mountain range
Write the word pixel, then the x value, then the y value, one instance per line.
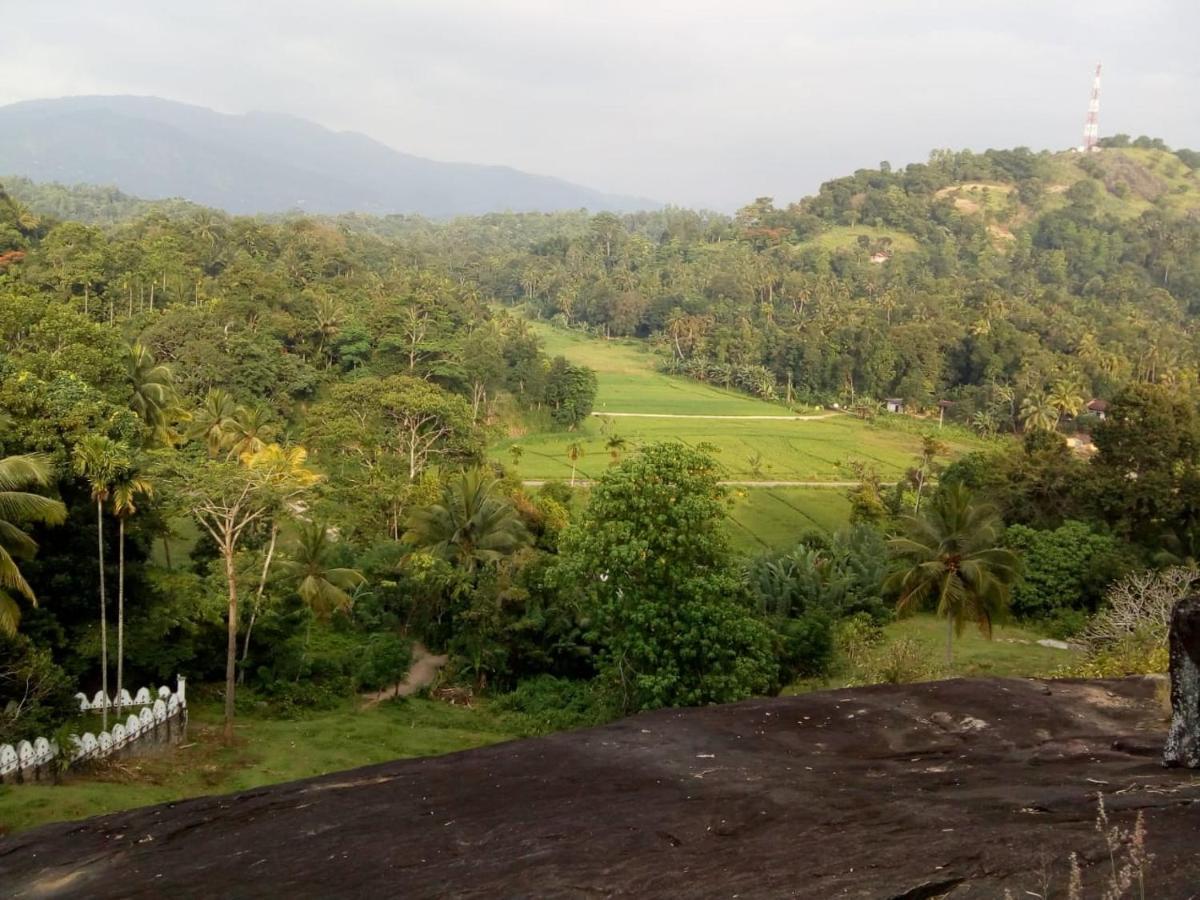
pixel 261 162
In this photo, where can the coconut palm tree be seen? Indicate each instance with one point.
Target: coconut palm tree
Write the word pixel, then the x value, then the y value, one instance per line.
pixel 127 487
pixel 1039 413
pixel 102 462
pixel 18 505
pixel 951 555
pixel 1066 395
pixel 323 587
pixel 153 391
pixel 574 454
pixel 473 525
pixel 214 421
pixel 249 430
pixel 615 445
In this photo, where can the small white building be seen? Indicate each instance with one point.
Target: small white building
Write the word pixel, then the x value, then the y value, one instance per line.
pixel 894 405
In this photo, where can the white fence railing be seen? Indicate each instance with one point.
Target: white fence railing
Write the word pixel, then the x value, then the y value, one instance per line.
pixel 158 713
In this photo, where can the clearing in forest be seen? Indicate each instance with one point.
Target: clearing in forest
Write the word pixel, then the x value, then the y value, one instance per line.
pixel 755 441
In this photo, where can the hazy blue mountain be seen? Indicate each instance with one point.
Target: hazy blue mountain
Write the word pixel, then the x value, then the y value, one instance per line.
pixel 260 162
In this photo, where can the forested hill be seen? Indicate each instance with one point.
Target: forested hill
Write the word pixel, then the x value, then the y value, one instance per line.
pixel 259 163
pixel 1004 281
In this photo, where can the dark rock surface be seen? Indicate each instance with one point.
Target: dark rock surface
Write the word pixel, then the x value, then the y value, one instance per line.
pixel 1183 739
pixel 958 788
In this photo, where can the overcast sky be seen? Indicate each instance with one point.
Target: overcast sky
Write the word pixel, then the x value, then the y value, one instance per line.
pixel 696 103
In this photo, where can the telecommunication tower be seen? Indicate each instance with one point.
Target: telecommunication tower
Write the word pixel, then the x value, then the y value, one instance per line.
pixel 1091 125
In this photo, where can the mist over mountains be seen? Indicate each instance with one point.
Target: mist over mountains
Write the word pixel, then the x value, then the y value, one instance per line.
pixel 261 162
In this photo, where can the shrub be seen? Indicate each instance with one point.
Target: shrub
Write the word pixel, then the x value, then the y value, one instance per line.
pixel 36 696
pixel 555 704
pixel 901 661
pixel 805 646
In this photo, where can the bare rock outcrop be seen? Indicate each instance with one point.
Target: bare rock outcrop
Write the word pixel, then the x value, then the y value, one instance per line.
pixel 1183 740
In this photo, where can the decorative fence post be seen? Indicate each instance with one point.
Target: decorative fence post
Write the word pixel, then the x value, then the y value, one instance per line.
pixel 162 719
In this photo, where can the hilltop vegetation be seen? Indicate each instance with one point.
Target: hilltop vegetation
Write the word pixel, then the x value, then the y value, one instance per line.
pixel 369 396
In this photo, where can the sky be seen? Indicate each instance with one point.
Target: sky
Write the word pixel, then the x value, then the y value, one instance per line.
pixel 698 103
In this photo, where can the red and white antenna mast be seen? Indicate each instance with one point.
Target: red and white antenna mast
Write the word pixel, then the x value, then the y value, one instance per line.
pixel 1091 125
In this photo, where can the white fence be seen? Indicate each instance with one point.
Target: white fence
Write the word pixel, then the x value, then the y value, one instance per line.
pixel 158 713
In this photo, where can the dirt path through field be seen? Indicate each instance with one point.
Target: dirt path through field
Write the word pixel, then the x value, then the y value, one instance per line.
pixel 629 415
pixel 421 674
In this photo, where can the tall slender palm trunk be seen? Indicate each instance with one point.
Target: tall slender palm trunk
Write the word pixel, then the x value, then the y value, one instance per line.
pixel 231 643
pixel 120 612
pixel 103 614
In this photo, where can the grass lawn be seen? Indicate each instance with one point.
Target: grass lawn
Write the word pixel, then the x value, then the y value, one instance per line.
pixel 1012 651
pixel 845 237
pixel 748 449
pixel 267 751
pixel 772 518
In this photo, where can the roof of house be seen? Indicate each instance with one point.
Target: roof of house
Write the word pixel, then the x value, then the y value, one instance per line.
pixel 1097 405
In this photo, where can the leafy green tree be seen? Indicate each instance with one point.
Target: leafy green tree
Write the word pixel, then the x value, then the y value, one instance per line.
pixel 18 506
pixel 570 392
pixel 952 556
pixel 1064 568
pixel 651 562
pixel 226 499
pixel 472 526
pixel 1146 472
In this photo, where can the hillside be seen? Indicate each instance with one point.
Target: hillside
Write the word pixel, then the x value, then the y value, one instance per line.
pixel 259 162
pixel 974 787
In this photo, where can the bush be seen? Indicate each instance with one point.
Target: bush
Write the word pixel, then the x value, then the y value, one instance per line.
pixel 901 661
pixel 36 696
pixel 557 704
pixel 806 646
pixel 384 661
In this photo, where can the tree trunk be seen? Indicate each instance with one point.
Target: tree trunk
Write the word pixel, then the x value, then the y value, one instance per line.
pixel 103 614
pixel 262 584
pixel 120 611
pixel 166 551
pixel 231 643
pixel 949 640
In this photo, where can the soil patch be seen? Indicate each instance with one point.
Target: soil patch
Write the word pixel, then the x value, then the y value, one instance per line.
pixel 959 788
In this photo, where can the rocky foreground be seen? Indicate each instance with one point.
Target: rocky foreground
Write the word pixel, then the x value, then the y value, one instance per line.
pixel 959 788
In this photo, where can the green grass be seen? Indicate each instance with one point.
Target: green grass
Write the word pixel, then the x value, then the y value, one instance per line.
pixel 1012 652
pixel 772 518
pixel 748 449
pixel 845 237
pixel 267 751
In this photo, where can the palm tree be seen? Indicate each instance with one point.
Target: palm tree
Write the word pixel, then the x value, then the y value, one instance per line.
pixel 214 420
pixel 1039 413
pixel 126 488
pixel 101 461
pixel 615 445
pixel 250 430
pixel 329 316
pixel 472 526
pixel 324 588
pixel 153 391
pixel 951 555
pixel 19 505
pixel 984 421
pixel 1067 396
pixel 574 454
